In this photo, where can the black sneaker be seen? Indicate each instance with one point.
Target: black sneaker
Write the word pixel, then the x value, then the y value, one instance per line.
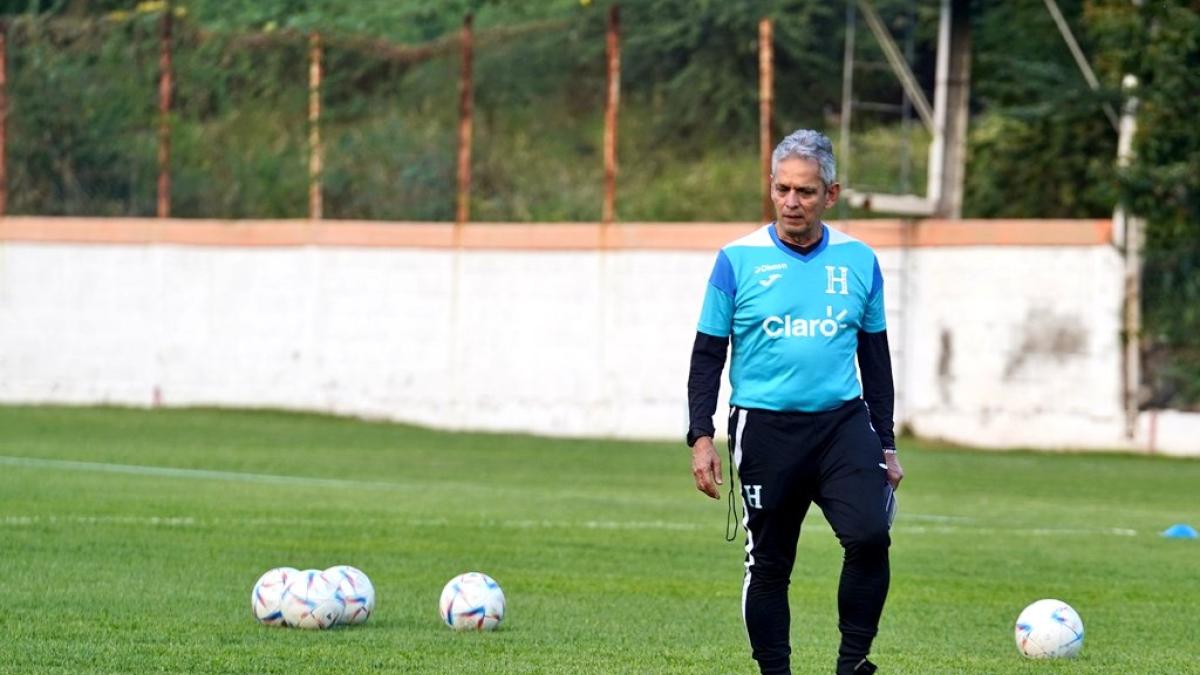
pixel 865 667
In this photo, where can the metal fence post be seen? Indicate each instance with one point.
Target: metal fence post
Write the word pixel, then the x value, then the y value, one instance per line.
pixel 766 99
pixel 164 114
pixel 612 101
pixel 465 113
pixel 314 126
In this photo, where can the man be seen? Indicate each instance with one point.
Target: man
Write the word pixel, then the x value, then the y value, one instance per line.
pixel 800 301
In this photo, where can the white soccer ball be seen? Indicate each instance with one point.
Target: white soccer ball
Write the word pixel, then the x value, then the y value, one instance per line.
pixel 311 601
pixel 268 591
pixel 356 591
pixel 1049 629
pixel 472 601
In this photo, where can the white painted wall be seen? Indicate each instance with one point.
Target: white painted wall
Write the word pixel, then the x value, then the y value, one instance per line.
pixel 997 346
pixel 1016 346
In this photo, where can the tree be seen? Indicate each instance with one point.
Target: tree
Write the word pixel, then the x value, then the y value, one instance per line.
pixel 1159 43
pixel 1040 146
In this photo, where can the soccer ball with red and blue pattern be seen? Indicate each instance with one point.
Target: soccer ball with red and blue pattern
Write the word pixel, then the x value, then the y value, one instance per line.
pixel 268 591
pixel 356 590
pixel 311 601
pixel 472 601
pixel 1049 629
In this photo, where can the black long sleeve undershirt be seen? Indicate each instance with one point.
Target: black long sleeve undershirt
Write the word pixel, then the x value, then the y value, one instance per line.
pixel 704 382
pixel 879 391
pixel 874 361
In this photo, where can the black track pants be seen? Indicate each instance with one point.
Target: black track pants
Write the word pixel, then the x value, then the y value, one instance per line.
pixel 786 461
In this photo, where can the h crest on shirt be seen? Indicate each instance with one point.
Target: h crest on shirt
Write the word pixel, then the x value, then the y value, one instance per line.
pixel 837 284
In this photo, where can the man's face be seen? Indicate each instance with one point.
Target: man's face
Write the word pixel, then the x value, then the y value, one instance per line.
pixel 800 199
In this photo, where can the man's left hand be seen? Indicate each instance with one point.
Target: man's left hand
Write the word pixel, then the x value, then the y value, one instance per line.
pixel 895 473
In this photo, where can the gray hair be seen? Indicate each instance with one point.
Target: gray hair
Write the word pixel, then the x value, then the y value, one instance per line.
pixel 807 144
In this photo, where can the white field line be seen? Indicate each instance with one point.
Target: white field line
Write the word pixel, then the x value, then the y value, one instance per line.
pixel 953 523
pixel 642 525
pixel 190 521
pixel 1035 531
pixel 929 517
pixel 176 472
pixel 946 524
pixel 163 521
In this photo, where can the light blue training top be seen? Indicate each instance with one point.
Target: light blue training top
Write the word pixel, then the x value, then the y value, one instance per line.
pixel 793 319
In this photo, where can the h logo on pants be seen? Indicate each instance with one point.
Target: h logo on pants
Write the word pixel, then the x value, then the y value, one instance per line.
pixel 753 496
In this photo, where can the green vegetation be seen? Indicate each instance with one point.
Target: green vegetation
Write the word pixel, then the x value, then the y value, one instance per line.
pixel 1042 148
pixel 82 136
pixel 83 91
pixel 611 561
pixel 1159 45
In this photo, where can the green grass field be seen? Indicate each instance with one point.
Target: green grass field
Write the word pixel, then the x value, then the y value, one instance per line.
pixel 611 561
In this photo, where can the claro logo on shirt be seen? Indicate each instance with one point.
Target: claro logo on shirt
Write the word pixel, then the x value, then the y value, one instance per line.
pixel 798 327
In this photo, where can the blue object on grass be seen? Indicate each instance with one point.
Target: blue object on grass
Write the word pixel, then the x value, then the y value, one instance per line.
pixel 1180 531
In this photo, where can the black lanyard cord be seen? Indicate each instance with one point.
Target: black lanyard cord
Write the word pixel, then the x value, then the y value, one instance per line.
pixel 731 517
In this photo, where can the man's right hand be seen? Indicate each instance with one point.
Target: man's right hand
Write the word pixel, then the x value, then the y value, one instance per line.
pixel 706 467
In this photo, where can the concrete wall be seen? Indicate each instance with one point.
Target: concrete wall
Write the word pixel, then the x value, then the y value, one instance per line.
pixel 994 344
pixel 1016 346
